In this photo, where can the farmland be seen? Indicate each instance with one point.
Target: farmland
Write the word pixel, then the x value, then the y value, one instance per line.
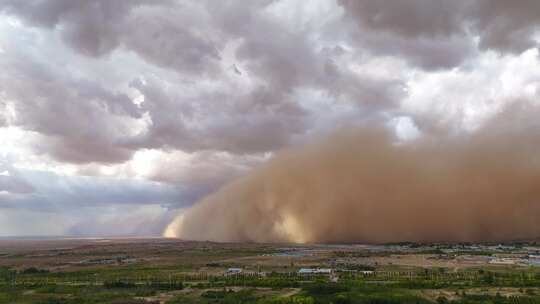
pixel 173 271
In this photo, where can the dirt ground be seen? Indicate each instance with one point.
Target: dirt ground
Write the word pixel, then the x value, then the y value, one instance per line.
pixel 268 292
pixel 433 294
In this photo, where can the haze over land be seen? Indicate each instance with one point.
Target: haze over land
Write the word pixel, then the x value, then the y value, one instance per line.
pixel 289 120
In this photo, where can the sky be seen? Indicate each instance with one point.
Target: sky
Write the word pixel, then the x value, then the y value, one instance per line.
pixel 116 116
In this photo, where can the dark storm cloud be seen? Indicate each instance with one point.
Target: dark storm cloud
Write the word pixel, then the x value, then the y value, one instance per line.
pixel 430 53
pixel 166 33
pixel 252 122
pixel 428 34
pixel 439 34
pixel 188 38
pixel 80 120
pixel 507 26
pixel 290 58
pixel 409 18
pixel 89 26
pixel 176 37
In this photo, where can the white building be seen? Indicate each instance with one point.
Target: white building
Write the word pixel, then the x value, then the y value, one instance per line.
pixel 502 261
pixel 234 270
pixel 315 271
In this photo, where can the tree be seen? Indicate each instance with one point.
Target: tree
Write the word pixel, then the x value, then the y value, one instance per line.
pixel 442 300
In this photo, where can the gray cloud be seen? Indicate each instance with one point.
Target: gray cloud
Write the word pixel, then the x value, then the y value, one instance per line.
pixel 440 34
pixel 372 94
pixel 176 37
pixel 431 53
pixel 252 122
pixel 166 32
pixel 90 27
pixel 53 191
pixel 14 184
pixel 86 205
pixel 80 119
pixel 205 171
pixel 3 114
pixel 506 26
pixel 115 221
pixel 410 18
pixel 187 38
